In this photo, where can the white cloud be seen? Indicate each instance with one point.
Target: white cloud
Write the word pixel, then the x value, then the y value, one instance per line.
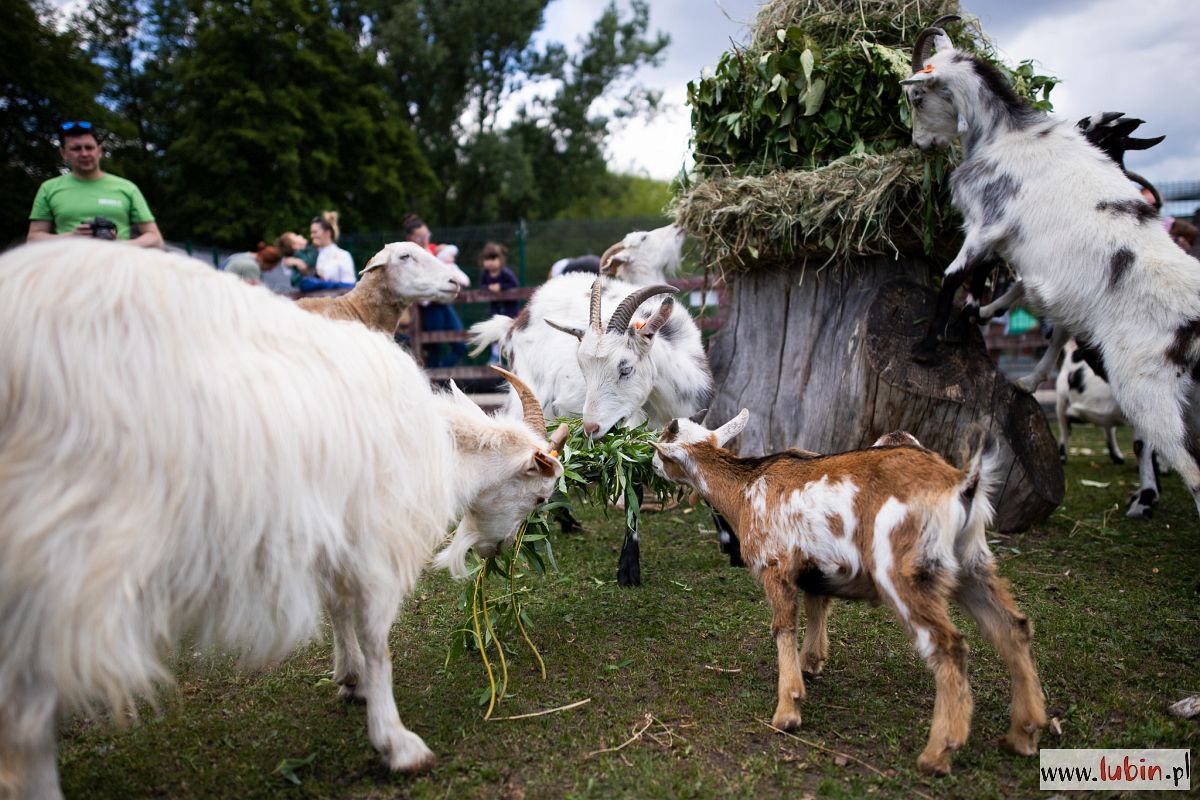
pixel 1140 58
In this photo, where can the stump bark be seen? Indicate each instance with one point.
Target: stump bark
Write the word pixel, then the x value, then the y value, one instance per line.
pixel 822 362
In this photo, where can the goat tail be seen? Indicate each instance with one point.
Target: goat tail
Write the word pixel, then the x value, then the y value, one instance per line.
pixel 981 462
pixel 489 331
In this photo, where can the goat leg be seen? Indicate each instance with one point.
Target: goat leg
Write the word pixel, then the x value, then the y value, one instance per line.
pixel 727 540
pixel 1041 371
pixel 629 566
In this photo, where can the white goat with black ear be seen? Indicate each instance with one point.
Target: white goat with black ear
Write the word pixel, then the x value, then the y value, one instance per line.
pixel 1034 192
pixel 645 258
pixel 185 455
pixel 644 362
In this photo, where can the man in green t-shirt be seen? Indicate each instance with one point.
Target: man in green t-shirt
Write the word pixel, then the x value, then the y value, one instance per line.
pixel 67 205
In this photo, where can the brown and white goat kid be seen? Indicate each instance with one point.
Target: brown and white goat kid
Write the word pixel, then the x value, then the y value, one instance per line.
pixel 891 524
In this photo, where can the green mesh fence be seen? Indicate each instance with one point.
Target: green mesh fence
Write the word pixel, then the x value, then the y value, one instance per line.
pixel 532 246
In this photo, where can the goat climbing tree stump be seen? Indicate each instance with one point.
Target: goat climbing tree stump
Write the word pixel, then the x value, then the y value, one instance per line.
pixel 822 362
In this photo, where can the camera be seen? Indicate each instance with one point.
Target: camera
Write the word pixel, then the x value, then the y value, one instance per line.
pixel 104 228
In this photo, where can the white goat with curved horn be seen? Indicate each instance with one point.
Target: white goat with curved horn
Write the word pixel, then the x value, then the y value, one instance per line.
pixel 645 362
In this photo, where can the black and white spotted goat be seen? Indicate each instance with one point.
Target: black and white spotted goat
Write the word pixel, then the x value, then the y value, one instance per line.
pixel 1087 248
pixel 1082 395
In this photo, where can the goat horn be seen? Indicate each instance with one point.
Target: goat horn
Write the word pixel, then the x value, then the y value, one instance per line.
pixel 606 267
pixel 620 318
pixel 559 437
pixel 924 46
pixel 576 332
pixel 529 403
pixel 594 309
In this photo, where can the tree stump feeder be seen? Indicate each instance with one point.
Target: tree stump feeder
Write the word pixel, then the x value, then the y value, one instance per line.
pixel 822 360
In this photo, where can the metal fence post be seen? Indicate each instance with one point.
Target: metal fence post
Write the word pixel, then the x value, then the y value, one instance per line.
pixel 522 233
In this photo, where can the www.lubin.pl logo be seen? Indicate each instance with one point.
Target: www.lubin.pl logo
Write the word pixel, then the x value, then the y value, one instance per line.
pixel 1157 770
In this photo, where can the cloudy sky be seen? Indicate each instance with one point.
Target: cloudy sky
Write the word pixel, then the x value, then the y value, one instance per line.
pixel 1141 57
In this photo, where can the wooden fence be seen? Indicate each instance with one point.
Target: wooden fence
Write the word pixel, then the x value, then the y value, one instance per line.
pixel 706 301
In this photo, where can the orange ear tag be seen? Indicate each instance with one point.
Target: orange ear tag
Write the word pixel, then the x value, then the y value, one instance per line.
pixel 928 68
pixel 639 324
pixel 554 454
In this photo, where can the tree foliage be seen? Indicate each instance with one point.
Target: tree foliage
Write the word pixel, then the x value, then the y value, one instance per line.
pixel 285 117
pixel 46 79
pixel 239 118
pixel 818 92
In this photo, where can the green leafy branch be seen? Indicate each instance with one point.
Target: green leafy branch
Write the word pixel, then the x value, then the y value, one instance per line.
pixel 603 472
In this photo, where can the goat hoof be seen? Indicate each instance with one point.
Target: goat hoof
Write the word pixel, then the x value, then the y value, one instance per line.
pixel 812 666
pixel 406 752
pixel 349 693
pixel 934 764
pixel 1116 459
pixel 1020 742
pixel 786 720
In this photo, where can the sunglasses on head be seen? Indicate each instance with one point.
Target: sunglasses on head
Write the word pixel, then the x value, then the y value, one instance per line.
pixel 79 125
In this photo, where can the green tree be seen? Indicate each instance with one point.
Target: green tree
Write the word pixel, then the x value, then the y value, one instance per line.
pixel 627 196
pixel 285 117
pixel 565 141
pixel 46 79
pixel 456 64
pixel 452 63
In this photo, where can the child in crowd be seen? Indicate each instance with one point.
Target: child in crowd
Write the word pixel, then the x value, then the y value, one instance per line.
pixel 495 276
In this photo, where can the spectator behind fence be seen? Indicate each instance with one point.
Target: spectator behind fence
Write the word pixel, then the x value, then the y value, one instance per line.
pixel 87 201
pixel 1184 234
pixel 417 232
pixel 448 254
pixel 495 276
pixel 254 267
pixel 299 257
pixel 435 316
pixel 334 266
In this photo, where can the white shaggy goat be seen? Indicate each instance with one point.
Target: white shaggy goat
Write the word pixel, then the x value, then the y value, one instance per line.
pixel 645 258
pixel 892 524
pixel 399 274
pixel 185 455
pixel 1084 243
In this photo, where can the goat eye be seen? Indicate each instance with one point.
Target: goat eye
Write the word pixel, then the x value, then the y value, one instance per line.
pixel 626 370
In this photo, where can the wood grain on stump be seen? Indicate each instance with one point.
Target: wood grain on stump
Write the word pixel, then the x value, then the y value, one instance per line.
pixel 822 362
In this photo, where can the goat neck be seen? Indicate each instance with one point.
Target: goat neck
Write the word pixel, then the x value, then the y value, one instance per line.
pixel 375 303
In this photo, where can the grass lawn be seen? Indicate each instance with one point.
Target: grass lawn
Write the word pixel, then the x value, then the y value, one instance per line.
pixel 688 657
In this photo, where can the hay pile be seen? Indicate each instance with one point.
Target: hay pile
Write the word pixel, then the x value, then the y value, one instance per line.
pixel 767 212
pixel 859 205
